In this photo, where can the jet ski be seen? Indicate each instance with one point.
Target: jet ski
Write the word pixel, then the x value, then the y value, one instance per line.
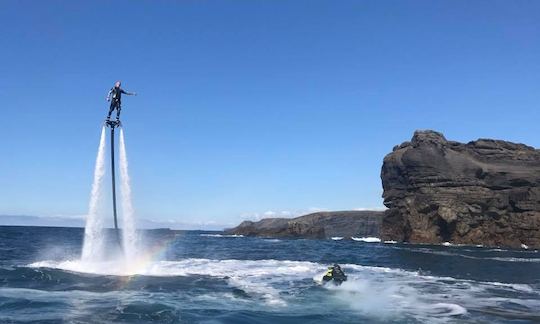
pixel 335 275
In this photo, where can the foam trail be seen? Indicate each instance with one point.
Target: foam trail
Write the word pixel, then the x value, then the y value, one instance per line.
pixel 93 231
pixel 129 234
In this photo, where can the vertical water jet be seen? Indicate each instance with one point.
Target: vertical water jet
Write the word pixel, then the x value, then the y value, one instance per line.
pixel 129 235
pixel 94 240
pixel 93 231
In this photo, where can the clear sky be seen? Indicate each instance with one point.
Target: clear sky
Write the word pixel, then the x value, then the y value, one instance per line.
pixel 252 106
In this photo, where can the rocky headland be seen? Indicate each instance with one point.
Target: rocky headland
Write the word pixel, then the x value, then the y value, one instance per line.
pixel 483 192
pixel 317 225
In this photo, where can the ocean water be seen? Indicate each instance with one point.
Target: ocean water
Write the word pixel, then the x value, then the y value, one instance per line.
pixel 201 277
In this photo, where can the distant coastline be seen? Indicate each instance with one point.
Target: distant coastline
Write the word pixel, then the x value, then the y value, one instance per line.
pixel 321 225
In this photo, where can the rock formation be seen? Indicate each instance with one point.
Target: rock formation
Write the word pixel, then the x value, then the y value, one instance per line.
pixel 317 225
pixel 483 192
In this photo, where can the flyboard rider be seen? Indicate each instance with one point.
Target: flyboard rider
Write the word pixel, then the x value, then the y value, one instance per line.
pixel 115 97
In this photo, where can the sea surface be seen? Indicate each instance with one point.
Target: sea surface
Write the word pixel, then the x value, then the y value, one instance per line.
pixel 203 277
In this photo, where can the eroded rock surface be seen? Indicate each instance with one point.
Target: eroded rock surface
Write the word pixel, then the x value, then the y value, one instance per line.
pixel 483 192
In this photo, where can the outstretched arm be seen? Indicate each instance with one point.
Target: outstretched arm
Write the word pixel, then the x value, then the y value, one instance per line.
pixel 129 93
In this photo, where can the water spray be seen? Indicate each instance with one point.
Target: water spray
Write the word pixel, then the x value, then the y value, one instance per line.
pixel 93 238
pixel 112 125
pixel 129 233
pixel 94 248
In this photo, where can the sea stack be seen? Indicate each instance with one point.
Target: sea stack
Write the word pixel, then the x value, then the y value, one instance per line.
pixel 483 192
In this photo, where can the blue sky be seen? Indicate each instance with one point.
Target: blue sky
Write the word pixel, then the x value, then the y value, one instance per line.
pixel 251 106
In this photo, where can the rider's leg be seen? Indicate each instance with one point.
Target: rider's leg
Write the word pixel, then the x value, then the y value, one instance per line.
pixel 118 108
pixel 111 108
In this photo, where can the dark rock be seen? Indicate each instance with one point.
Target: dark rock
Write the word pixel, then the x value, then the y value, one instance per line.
pixel 317 225
pixel 483 192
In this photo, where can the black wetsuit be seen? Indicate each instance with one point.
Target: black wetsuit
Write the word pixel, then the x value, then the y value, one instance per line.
pixel 116 101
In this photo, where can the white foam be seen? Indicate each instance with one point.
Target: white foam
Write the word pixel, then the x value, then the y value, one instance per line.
pixel 390 242
pixel 386 293
pixel 524 246
pixel 518 287
pixel 272 240
pixel 450 253
pixel 371 290
pixel 367 239
pixel 253 276
pixel 446 309
pixel 337 238
pixel 510 259
pixel 221 235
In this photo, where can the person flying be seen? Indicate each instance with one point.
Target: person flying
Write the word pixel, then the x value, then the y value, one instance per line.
pixel 115 97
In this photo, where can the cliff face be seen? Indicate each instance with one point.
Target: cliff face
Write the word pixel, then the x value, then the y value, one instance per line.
pixel 483 192
pixel 316 225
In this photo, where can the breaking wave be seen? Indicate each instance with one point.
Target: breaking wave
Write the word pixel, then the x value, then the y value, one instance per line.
pixel 367 239
pixel 221 235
